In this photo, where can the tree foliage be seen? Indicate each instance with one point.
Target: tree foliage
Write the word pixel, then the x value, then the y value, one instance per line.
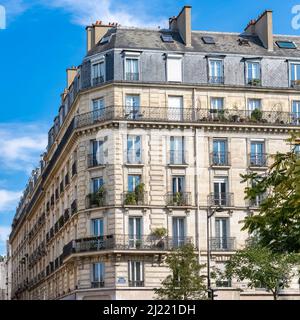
pixel 262 268
pixel 185 281
pixel 278 221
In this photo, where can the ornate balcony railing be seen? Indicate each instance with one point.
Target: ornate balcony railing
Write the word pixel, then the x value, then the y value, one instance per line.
pixel 222 243
pixel 216 80
pixel 221 199
pixel 178 199
pixel 132 198
pixel 124 242
pixel 258 160
pixel 97 80
pixel 194 115
pixel 219 159
pixel 95 160
pixel 95 200
pixel 97 284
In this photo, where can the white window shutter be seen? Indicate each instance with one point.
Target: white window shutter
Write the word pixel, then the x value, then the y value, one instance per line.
pixel 174 69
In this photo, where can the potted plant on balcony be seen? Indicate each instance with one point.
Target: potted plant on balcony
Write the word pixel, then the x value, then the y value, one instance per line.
pixel 254 82
pixel 97 199
pixel 130 198
pixel 235 116
pixel 139 193
pixel 178 199
pixel 159 234
pixel 256 115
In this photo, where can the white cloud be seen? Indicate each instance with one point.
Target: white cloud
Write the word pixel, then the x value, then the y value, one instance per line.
pixel 9 199
pixel 84 12
pixel 21 146
pixel 4 233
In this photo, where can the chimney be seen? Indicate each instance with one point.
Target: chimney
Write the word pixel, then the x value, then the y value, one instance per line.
pixel 71 74
pixel 96 31
pixel 183 24
pixel 263 28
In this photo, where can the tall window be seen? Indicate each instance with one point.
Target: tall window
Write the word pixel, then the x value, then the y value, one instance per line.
pixel 136 273
pixel 220 155
pixel 257 155
pixel 96 184
pixel 98 72
pixel 134 149
pixel 98 108
pixel 97 227
pixel 217 103
pixel 132 69
pixel 177 150
pixel 97 275
pixel 174 68
pixel 97 154
pixel 222 233
pixel 132 103
pixel 253 73
pixel 294 74
pixel 178 184
pixel 175 108
pixel 220 192
pixel 133 182
pixel 135 232
pixel 254 104
pixel 178 231
pixel 216 71
pixel 296 112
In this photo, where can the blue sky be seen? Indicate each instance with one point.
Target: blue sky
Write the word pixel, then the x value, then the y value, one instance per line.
pixel 42 38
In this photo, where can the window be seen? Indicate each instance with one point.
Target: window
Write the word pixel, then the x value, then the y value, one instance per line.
pixel 221 198
pixel 132 103
pixel 222 234
pixel 136 273
pixel 132 69
pixel 167 38
pixel 97 227
pixel 98 72
pixel 97 155
pixel 98 108
pixel 253 72
pixel 216 108
pixel 96 184
pixel 257 155
pixel 133 149
pixel 98 275
pixel 208 40
pixel 175 108
pixel 178 231
pixel 177 150
pixel 135 232
pixel 133 182
pixel 174 67
pixel 253 104
pixel 294 74
pixel 216 71
pixel 105 40
pixel 296 112
pixel 258 199
pixel 219 156
pixel 178 184
pixel 286 44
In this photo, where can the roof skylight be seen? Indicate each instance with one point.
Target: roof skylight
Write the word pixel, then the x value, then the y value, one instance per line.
pixel 167 38
pixel 208 40
pixel 286 44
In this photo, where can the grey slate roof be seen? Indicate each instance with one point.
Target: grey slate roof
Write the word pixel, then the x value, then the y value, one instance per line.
pixel 226 43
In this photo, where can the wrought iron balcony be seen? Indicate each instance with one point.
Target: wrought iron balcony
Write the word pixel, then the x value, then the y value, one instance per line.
pixel 178 199
pixel 195 115
pixel 132 76
pixel 177 157
pixel 219 159
pixel 97 284
pixel 136 283
pixel 98 80
pixel 95 200
pixel 222 243
pixel 216 80
pixel 254 82
pixel 124 242
pixel 95 160
pixel 258 160
pixel 221 199
pixel 132 198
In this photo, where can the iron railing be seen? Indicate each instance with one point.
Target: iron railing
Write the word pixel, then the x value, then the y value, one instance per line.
pixel 258 160
pixel 254 82
pixel 136 283
pixel 219 159
pixel 124 242
pixel 222 243
pixel 97 284
pixel 132 198
pixel 95 159
pixel 132 76
pixel 216 80
pixel 194 115
pixel 178 199
pixel 221 199
pixel 95 200
pixel 98 80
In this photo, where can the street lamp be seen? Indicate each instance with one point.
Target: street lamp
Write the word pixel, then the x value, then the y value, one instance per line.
pixel 210 213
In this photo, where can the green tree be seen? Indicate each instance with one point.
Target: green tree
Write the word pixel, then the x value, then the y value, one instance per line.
pixel 278 221
pixel 185 281
pixel 262 268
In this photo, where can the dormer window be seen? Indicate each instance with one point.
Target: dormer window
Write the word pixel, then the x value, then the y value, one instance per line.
pixel 216 73
pixel 132 66
pixel 295 74
pixel 98 71
pixel 253 73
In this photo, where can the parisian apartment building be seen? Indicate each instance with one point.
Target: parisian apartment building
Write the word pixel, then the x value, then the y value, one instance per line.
pixel 153 131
